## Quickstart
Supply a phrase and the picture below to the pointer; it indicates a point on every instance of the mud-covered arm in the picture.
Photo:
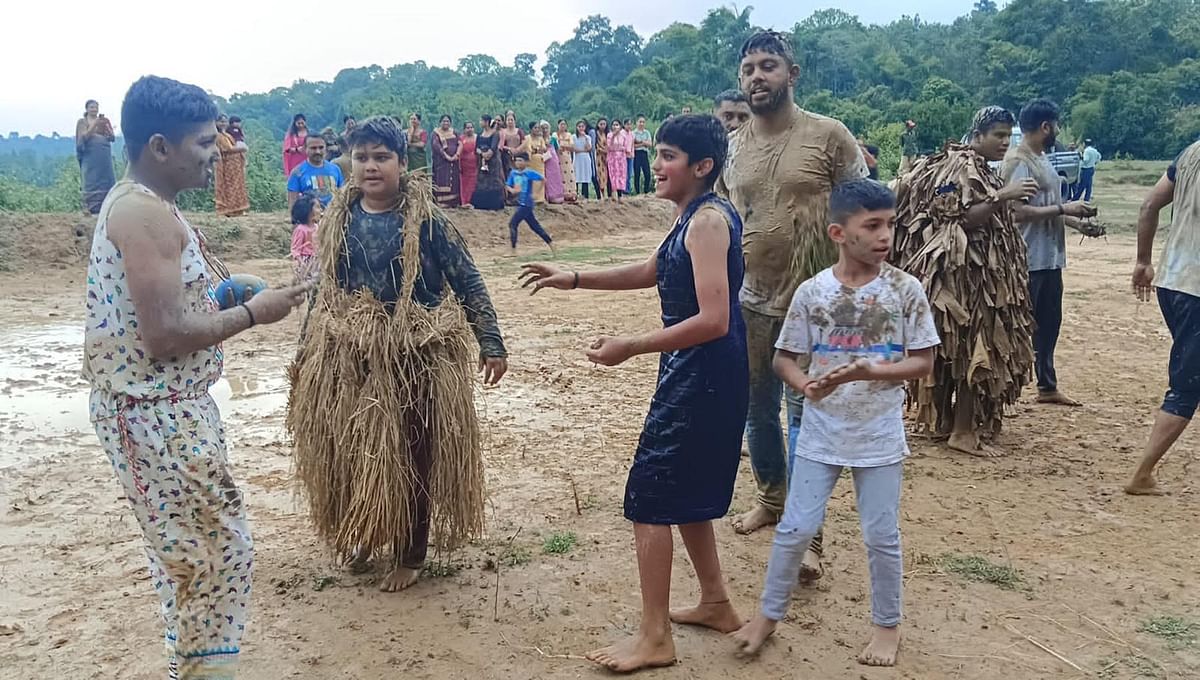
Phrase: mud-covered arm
(450, 252)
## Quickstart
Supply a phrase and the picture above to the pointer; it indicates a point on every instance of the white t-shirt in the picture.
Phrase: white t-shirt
(860, 424)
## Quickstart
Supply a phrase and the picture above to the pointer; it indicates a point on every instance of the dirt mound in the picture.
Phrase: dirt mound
(31, 241)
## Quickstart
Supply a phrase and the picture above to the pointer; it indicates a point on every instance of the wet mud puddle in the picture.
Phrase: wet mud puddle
(44, 399)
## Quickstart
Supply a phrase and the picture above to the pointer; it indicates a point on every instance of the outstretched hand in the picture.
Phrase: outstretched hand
(541, 276)
(274, 304)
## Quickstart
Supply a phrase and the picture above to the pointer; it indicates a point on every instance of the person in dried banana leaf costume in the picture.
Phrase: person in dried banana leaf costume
(381, 408)
(954, 232)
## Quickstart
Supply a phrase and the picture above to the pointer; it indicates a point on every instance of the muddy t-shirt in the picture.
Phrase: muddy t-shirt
(780, 184)
(1179, 266)
(1045, 239)
(861, 423)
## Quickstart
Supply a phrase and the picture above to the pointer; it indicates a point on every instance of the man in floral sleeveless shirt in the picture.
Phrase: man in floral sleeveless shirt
(152, 350)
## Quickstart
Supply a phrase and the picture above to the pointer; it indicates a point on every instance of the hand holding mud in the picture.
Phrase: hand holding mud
(1080, 209)
(274, 304)
(1019, 191)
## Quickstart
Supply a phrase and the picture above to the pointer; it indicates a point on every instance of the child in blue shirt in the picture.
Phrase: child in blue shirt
(520, 184)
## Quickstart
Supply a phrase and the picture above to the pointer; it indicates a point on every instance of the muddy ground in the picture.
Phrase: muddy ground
(1029, 566)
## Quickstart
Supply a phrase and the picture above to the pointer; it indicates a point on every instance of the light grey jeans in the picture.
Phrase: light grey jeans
(877, 493)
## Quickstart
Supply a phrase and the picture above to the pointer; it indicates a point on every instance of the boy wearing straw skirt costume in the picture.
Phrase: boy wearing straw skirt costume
(382, 406)
(955, 233)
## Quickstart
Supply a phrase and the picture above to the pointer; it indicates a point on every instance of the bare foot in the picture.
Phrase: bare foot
(1145, 486)
(969, 443)
(810, 568)
(750, 637)
(882, 649)
(1056, 397)
(636, 652)
(720, 616)
(400, 579)
(750, 522)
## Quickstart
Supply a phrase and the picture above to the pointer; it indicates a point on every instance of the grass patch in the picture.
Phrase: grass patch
(515, 556)
(599, 255)
(1178, 632)
(981, 570)
(560, 543)
(441, 569)
(1138, 667)
(322, 582)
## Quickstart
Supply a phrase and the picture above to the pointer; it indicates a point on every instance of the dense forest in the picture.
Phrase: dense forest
(1126, 72)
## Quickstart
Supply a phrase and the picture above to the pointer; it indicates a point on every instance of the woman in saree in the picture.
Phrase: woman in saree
(537, 146)
(489, 183)
(601, 179)
(229, 188)
(555, 190)
(294, 152)
(566, 160)
(468, 163)
(446, 180)
(511, 139)
(417, 139)
(93, 147)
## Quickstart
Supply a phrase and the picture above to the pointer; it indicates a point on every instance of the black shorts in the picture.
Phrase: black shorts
(1182, 314)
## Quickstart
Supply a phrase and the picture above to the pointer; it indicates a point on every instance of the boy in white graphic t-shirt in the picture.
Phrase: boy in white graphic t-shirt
(853, 335)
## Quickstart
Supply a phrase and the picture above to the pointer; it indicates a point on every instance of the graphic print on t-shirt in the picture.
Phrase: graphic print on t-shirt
(856, 329)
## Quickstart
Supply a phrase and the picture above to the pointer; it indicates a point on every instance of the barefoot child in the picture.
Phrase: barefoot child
(520, 183)
(382, 407)
(854, 333)
(306, 213)
(687, 458)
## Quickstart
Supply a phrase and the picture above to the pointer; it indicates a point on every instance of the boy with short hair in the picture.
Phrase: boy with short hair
(520, 183)
(382, 403)
(314, 176)
(687, 457)
(854, 333)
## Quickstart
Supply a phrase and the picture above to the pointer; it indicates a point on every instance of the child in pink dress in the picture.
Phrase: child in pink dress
(306, 213)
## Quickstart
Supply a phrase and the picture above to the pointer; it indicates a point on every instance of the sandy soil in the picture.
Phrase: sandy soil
(1095, 566)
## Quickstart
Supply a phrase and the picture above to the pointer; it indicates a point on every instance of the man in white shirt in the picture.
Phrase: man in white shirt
(1087, 171)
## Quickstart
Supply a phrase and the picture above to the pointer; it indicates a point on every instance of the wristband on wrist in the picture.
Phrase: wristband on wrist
(248, 313)
(576, 281)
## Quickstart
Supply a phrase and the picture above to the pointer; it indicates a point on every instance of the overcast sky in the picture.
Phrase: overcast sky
(61, 53)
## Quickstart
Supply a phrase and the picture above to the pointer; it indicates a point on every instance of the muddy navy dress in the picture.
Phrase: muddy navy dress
(687, 457)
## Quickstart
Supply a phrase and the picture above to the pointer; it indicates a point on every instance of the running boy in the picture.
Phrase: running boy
(854, 333)
(686, 462)
(520, 184)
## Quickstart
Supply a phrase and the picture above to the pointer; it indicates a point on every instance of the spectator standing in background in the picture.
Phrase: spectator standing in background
(294, 152)
(93, 147)
(908, 146)
(1087, 171)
